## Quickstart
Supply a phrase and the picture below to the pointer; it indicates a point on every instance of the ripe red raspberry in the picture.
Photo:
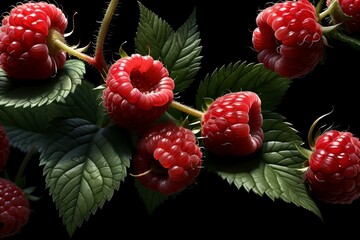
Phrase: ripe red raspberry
(26, 34)
(351, 8)
(288, 38)
(168, 158)
(14, 208)
(232, 124)
(138, 91)
(333, 174)
(4, 148)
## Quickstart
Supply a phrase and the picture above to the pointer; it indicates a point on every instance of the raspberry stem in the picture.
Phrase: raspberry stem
(351, 41)
(99, 49)
(311, 138)
(24, 163)
(63, 46)
(98, 61)
(141, 174)
(189, 110)
(328, 10)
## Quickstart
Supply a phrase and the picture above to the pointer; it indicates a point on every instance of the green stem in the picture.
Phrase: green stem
(311, 138)
(99, 50)
(328, 10)
(351, 41)
(98, 61)
(186, 109)
(24, 163)
(63, 46)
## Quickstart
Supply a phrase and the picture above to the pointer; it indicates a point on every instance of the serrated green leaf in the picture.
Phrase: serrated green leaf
(182, 55)
(24, 126)
(179, 51)
(152, 33)
(83, 165)
(151, 199)
(242, 76)
(275, 170)
(85, 103)
(22, 94)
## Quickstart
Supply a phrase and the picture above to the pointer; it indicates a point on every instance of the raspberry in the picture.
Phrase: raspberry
(25, 41)
(4, 148)
(351, 8)
(14, 208)
(138, 91)
(333, 174)
(170, 157)
(232, 124)
(288, 38)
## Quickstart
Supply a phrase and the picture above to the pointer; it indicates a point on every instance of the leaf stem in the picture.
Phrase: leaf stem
(189, 110)
(24, 163)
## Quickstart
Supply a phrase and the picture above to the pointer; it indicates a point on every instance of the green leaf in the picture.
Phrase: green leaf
(24, 126)
(275, 170)
(152, 33)
(179, 51)
(85, 103)
(83, 165)
(33, 94)
(242, 76)
(181, 56)
(150, 198)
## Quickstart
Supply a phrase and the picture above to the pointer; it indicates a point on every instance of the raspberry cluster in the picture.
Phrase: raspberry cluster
(232, 124)
(14, 208)
(288, 38)
(333, 175)
(170, 158)
(138, 91)
(14, 205)
(26, 41)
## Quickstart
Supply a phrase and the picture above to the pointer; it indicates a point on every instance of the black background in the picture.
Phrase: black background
(212, 208)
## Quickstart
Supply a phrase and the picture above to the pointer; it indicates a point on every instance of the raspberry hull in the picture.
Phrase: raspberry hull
(170, 157)
(138, 91)
(288, 38)
(25, 41)
(232, 124)
(333, 175)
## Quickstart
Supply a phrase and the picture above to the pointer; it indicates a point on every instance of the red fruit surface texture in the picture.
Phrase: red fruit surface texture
(138, 91)
(351, 8)
(26, 52)
(4, 148)
(173, 156)
(288, 38)
(14, 208)
(333, 175)
(232, 124)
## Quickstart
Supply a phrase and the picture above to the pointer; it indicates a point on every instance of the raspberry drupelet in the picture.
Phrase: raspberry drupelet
(168, 158)
(138, 91)
(288, 38)
(26, 35)
(232, 124)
